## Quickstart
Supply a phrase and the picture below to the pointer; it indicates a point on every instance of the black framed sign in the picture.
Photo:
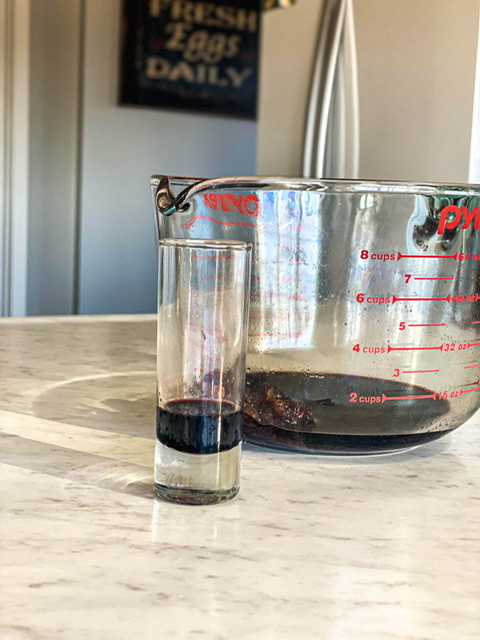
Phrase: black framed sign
(191, 55)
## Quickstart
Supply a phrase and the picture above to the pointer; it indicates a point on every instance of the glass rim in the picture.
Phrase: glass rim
(167, 202)
(208, 244)
(325, 185)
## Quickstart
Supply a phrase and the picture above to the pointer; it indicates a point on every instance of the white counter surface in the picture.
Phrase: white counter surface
(332, 548)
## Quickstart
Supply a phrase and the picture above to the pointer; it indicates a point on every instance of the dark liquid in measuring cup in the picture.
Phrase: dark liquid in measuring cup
(328, 413)
(199, 426)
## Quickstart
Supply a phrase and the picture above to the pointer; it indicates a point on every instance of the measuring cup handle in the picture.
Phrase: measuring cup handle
(165, 201)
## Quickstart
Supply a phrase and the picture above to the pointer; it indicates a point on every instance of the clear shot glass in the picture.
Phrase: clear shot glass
(203, 299)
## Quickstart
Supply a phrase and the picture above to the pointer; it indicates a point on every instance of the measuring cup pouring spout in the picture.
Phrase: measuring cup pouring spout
(364, 325)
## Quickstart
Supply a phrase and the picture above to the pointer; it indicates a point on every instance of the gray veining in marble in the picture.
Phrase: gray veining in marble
(314, 547)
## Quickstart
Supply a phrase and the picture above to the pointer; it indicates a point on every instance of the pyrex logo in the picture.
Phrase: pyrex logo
(452, 216)
(247, 205)
(244, 204)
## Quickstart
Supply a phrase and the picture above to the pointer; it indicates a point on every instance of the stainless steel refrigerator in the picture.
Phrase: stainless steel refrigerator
(380, 89)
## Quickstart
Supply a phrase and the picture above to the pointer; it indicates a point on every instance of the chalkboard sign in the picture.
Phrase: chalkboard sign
(189, 55)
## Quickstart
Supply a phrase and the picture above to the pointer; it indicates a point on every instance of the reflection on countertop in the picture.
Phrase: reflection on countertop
(314, 547)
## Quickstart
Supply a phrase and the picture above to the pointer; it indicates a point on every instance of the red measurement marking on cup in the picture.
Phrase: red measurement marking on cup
(414, 397)
(389, 348)
(440, 278)
(423, 371)
(447, 299)
(446, 346)
(462, 391)
(472, 366)
(404, 255)
(439, 324)
(456, 298)
(475, 322)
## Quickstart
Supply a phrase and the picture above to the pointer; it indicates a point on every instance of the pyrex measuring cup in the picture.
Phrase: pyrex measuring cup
(364, 329)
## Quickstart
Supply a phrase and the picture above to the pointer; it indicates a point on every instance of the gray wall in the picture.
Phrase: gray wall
(122, 147)
(416, 73)
(417, 81)
(289, 41)
(53, 148)
(91, 233)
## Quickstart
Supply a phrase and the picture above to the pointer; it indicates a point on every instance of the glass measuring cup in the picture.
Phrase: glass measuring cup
(364, 330)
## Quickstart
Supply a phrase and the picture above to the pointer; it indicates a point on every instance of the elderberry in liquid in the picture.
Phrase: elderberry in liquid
(338, 421)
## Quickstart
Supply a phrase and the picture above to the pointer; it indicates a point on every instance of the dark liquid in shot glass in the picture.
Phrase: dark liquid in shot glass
(199, 426)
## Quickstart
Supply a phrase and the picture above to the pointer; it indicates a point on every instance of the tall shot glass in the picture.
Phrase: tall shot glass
(203, 299)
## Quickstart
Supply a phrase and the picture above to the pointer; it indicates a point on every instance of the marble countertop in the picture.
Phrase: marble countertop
(313, 547)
